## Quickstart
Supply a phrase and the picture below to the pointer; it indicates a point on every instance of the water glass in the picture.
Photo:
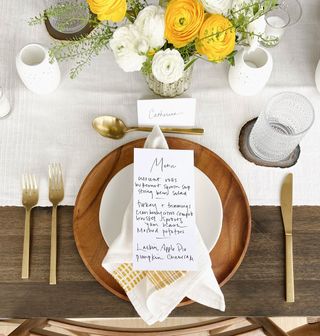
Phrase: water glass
(293, 8)
(287, 14)
(70, 22)
(280, 128)
(276, 22)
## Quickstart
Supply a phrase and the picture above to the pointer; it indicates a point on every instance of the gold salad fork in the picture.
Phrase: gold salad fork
(30, 197)
(56, 194)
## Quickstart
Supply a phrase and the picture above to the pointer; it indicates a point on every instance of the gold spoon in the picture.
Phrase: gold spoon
(115, 128)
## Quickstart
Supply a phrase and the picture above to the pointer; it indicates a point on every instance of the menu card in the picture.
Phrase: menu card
(164, 225)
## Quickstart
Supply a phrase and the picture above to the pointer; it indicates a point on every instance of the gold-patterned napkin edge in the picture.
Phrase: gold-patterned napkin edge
(129, 279)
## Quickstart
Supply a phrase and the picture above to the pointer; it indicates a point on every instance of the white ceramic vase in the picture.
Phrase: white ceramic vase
(317, 76)
(35, 70)
(251, 71)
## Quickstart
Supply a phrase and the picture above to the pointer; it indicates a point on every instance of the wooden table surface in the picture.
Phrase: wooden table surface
(257, 289)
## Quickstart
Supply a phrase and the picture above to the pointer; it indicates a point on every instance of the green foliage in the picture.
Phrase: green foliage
(147, 66)
(134, 8)
(187, 52)
(242, 17)
(65, 13)
(84, 48)
(190, 63)
(230, 57)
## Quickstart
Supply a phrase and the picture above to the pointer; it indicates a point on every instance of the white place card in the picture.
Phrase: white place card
(164, 210)
(167, 112)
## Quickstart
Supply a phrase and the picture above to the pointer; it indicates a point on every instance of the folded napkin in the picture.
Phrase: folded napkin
(154, 294)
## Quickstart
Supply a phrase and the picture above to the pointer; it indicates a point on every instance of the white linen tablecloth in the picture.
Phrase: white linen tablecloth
(57, 127)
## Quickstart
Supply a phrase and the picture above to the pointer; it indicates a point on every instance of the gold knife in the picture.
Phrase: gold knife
(286, 210)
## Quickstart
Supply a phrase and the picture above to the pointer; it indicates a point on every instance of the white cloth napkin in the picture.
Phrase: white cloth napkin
(151, 302)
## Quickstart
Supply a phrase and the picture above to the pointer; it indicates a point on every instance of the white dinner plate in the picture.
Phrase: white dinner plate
(116, 197)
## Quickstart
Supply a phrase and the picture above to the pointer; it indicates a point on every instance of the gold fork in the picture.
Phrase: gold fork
(30, 197)
(56, 194)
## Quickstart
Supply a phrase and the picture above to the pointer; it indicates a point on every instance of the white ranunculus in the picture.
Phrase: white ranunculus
(217, 6)
(167, 66)
(129, 48)
(150, 21)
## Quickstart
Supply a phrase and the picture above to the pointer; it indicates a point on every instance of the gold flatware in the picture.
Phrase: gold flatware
(56, 194)
(286, 210)
(115, 128)
(30, 197)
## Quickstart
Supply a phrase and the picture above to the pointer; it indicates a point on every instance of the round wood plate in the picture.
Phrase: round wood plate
(231, 247)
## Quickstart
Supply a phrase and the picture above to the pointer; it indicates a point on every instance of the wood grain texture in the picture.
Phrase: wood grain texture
(306, 330)
(284, 323)
(24, 328)
(226, 326)
(231, 246)
(257, 289)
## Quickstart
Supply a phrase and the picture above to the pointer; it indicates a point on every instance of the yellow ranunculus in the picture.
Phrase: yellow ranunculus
(183, 20)
(217, 38)
(113, 10)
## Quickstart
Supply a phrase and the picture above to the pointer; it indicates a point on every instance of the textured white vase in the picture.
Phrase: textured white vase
(317, 76)
(251, 71)
(35, 70)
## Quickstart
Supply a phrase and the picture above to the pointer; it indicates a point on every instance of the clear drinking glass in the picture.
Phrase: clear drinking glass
(293, 8)
(70, 21)
(276, 22)
(280, 128)
(287, 14)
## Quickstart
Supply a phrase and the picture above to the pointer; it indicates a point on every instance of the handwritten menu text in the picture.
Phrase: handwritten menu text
(164, 210)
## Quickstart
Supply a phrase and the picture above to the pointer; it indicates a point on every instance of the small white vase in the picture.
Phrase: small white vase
(317, 76)
(35, 70)
(251, 71)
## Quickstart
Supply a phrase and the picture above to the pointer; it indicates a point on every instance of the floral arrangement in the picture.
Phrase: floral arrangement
(164, 39)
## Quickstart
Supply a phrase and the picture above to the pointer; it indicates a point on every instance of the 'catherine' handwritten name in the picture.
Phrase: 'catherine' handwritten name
(163, 210)
(161, 114)
(167, 112)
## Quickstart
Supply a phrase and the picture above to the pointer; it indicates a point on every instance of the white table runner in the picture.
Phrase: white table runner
(57, 127)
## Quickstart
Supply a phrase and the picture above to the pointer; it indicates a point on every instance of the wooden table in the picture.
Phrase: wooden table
(257, 289)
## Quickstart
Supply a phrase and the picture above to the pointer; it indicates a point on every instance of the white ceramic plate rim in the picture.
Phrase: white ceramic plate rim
(114, 185)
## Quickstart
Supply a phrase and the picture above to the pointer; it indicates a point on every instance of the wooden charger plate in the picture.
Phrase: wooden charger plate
(231, 247)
